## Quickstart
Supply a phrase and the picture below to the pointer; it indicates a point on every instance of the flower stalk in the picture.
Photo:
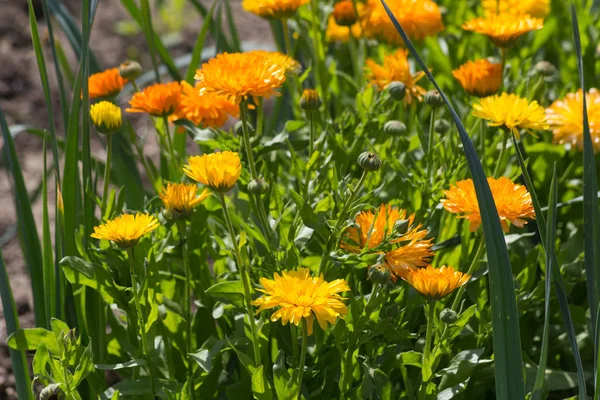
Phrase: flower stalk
(427, 361)
(105, 191)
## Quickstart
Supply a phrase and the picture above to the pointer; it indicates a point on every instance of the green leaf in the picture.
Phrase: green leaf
(32, 338)
(123, 365)
(84, 367)
(199, 45)
(280, 375)
(230, 292)
(260, 385)
(461, 368)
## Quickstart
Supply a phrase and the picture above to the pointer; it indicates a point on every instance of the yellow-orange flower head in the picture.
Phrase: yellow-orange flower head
(479, 78)
(106, 117)
(344, 13)
(219, 171)
(299, 295)
(419, 18)
(504, 29)
(565, 118)
(535, 8)
(513, 202)
(338, 33)
(511, 112)
(210, 110)
(273, 9)
(158, 100)
(396, 68)
(180, 199)
(435, 283)
(126, 229)
(410, 250)
(106, 84)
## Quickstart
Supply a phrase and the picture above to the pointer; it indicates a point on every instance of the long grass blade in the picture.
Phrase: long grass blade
(505, 320)
(47, 249)
(199, 46)
(88, 203)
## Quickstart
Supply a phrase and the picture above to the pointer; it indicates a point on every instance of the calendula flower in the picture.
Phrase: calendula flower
(504, 29)
(419, 19)
(106, 84)
(435, 283)
(513, 202)
(180, 199)
(239, 75)
(273, 9)
(298, 295)
(337, 33)
(126, 229)
(344, 13)
(219, 171)
(534, 8)
(511, 112)
(395, 68)
(284, 61)
(106, 117)
(565, 118)
(479, 78)
(371, 230)
(208, 109)
(158, 100)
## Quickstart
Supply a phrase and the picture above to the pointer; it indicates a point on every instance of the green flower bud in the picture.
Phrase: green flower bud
(573, 270)
(434, 99)
(239, 128)
(310, 100)
(369, 161)
(448, 316)
(441, 126)
(545, 68)
(258, 186)
(394, 127)
(130, 70)
(401, 226)
(379, 273)
(397, 90)
(52, 392)
(106, 117)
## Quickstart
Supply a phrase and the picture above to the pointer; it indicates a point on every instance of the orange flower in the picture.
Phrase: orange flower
(504, 29)
(273, 9)
(337, 33)
(344, 13)
(512, 201)
(480, 78)
(535, 8)
(106, 83)
(158, 100)
(435, 283)
(396, 68)
(208, 109)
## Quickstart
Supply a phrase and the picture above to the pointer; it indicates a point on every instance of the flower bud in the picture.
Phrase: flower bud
(106, 117)
(344, 13)
(130, 70)
(258, 186)
(441, 126)
(434, 99)
(379, 273)
(397, 90)
(448, 316)
(573, 270)
(52, 392)
(394, 127)
(401, 226)
(545, 68)
(310, 100)
(239, 128)
(369, 161)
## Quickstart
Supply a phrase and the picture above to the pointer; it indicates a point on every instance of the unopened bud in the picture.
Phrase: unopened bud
(441, 126)
(52, 392)
(106, 117)
(394, 127)
(545, 69)
(379, 273)
(130, 70)
(448, 316)
(369, 161)
(401, 226)
(258, 186)
(434, 99)
(397, 90)
(310, 100)
(344, 13)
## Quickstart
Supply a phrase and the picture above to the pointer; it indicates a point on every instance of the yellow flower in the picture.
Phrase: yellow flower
(107, 83)
(180, 199)
(511, 112)
(535, 8)
(219, 171)
(126, 229)
(208, 109)
(504, 29)
(513, 202)
(281, 60)
(239, 75)
(337, 33)
(395, 68)
(158, 100)
(435, 283)
(106, 117)
(299, 295)
(273, 9)
(410, 250)
(565, 118)
(344, 13)
(419, 19)
(480, 78)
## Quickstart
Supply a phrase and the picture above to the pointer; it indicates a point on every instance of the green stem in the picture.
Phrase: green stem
(354, 58)
(430, 146)
(105, 192)
(500, 162)
(302, 355)
(472, 267)
(427, 350)
(312, 132)
(318, 52)
(482, 139)
(260, 119)
(173, 162)
(135, 86)
(286, 37)
(246, 137)
(245, 280)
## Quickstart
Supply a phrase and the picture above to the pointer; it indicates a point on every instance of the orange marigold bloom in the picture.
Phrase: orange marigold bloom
(504, 29)
(435, 283)
(337, 33)
(565, 118)
(480, 78)
(208, 109)
(513, 202)
(419, 19)
(180, 199)
(344, 13)
(158, 100)
(396, 68)
(126, 229)
(107, 83)
(535, 8)
(410, 250)
(273, 9)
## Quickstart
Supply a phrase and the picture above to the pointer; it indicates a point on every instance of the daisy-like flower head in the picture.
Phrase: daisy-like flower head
(504, 29)
(410, 250)
(106, 117)
(565, 118)
(126, 229)
(395, 67)
(512, 201)
(479, 78)
(300, 295)
(180, 199)
(435, 283)
(219, 171)
(208, 109)
(273, 9)
(419, 18)
(106, 84)
(158, 100)
(511, 112)
(239, 75)
(535, 8)
(344, 13)
(338, 33)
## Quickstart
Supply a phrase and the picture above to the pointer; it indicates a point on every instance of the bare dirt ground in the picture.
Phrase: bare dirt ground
(22, 101)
